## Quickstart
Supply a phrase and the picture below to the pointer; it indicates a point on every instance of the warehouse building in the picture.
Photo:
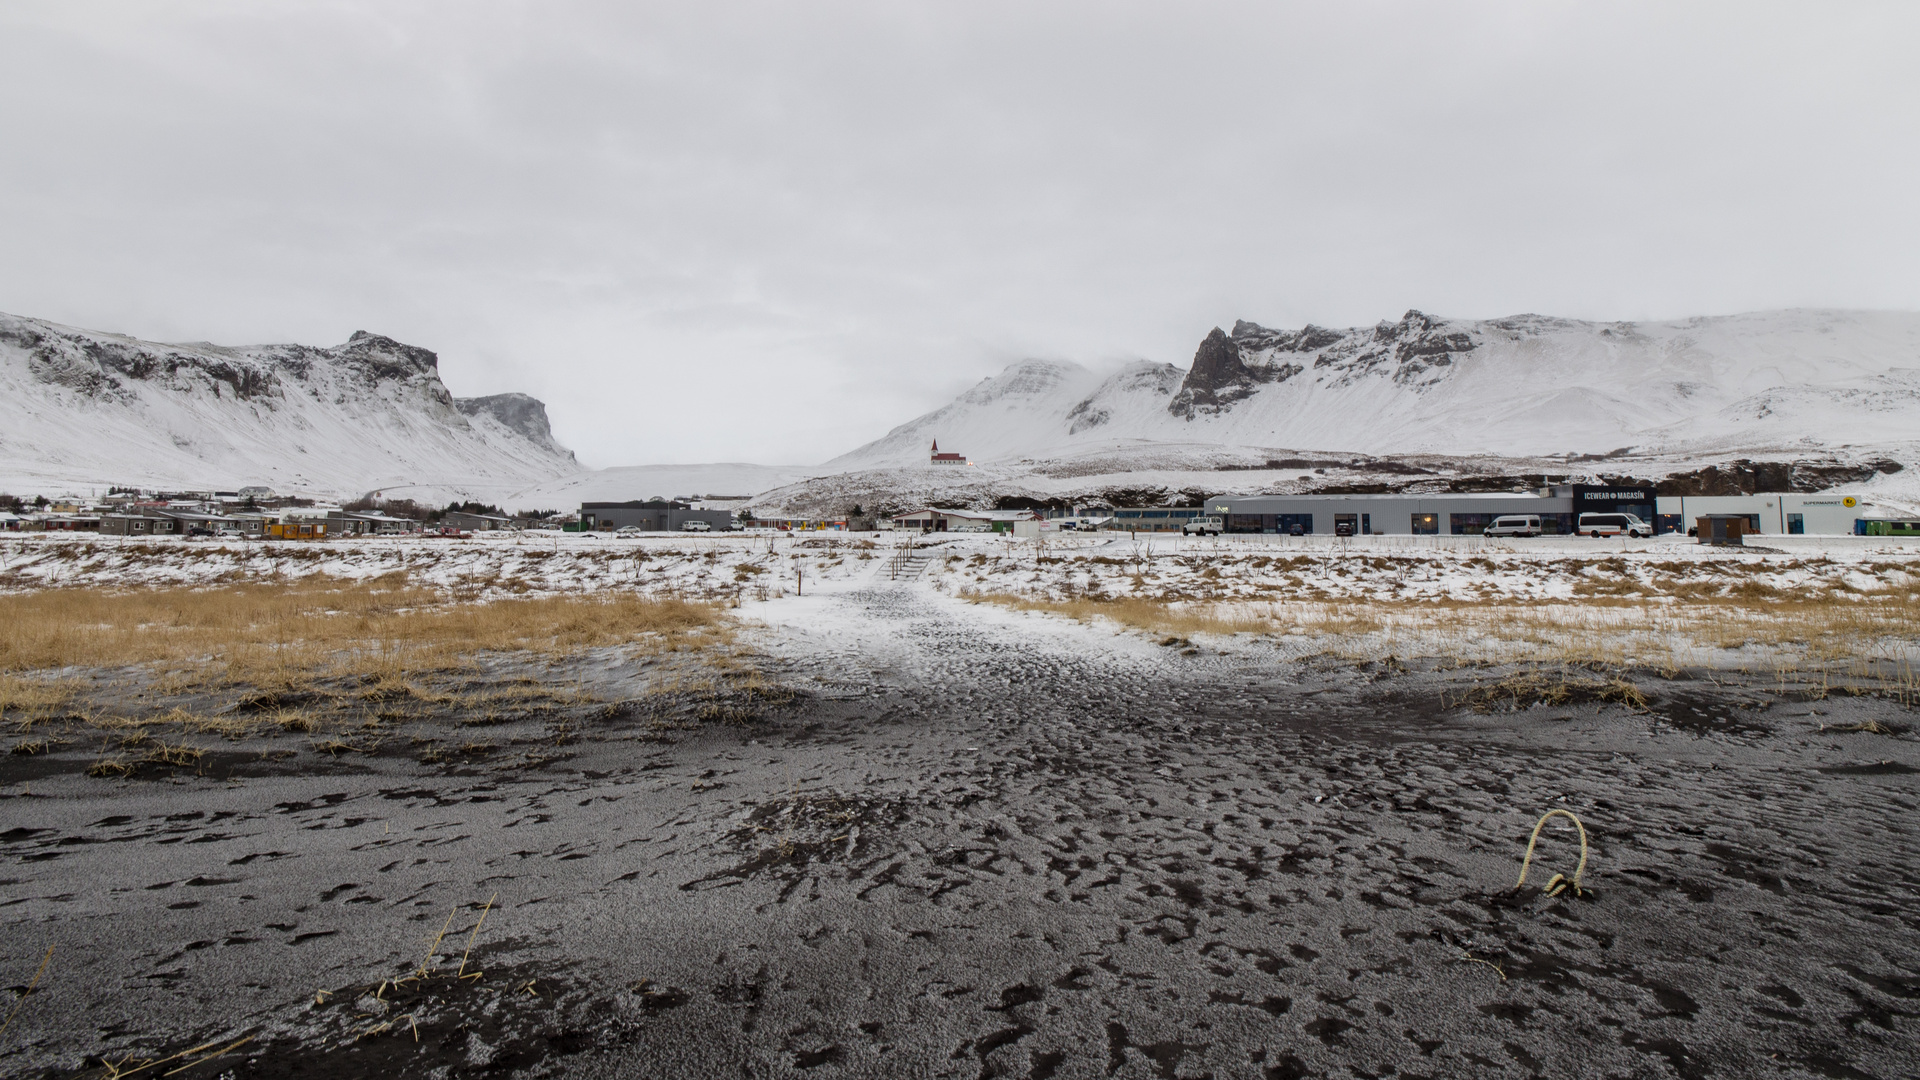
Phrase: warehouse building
(1559, 508)
(654, 515)
(1466, 514)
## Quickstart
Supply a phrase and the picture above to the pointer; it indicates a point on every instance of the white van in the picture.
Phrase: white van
(696, 526)
(1514, 525)
(1598, 525)
(1203, 526)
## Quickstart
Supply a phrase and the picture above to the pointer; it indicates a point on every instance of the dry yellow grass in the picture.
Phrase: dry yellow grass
(283, 635)
(1154, 616)
(1561, 687)
(1871, 637)
(20, 694)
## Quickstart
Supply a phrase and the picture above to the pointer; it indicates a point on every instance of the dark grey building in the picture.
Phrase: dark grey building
(653, 516)
(137, 524)
(460, 519)
(154, 522)
(369, 523)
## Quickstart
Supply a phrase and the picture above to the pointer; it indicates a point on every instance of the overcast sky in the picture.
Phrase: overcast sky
(769, 232)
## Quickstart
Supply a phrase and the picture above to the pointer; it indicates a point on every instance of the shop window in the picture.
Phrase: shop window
(1426, 524)
(1796, 525)
(1286, 522)
(1468, 524)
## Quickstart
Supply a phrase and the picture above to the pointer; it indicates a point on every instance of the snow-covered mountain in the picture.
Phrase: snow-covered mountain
(1525, 386)
(80, 408)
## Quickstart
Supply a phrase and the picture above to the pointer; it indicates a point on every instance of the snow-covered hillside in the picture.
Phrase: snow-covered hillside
(80, 408)
(1526, 386)
(625, 482)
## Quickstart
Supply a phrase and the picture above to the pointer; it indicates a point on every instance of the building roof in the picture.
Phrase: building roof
(972, 515)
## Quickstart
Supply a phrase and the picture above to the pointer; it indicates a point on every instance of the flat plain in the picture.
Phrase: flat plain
(1082, 808)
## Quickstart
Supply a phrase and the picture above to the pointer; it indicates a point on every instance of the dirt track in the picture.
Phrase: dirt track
(988, 844)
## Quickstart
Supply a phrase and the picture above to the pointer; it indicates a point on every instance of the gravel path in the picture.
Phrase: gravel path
(989, 844)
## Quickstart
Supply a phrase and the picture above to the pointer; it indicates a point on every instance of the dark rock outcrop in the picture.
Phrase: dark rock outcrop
(1745, 477)
(1414, 352)
(519, 413)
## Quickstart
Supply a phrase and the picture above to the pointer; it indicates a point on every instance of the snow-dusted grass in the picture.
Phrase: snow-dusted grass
(489, 566)
(275, 634)
(1826, 601)
(318, 654)
(1823, 602)
(277, 631)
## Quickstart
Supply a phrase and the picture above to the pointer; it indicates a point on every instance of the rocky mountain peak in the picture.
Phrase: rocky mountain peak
(393, 359)
(369, 413)
(522, 414)
(1221, 374)
(1415, 352)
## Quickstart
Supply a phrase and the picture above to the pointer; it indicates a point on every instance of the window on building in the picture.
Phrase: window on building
(1468, 524)
(1286, 522)
(1796, 524)
(1426, 524)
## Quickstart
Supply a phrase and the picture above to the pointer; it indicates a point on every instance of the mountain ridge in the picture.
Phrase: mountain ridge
(85, 407)
(1522, 385)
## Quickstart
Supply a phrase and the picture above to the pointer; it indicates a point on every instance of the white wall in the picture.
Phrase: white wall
(1824, 514)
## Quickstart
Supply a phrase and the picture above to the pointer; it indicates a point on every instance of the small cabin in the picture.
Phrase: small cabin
(1723, 529)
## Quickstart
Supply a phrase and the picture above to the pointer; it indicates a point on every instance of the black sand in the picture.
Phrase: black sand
(967, 849)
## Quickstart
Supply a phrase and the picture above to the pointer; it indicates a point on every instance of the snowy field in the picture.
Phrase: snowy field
(1659, 602)
(954, 838)
(1079, 808)
(1158, 566)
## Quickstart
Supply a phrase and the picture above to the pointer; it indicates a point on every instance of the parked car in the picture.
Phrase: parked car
(1514, 525)
(1599, 525)
(696, 526)
(628, 530)
(1203, 526)
(1343, 528)
(450, 533)
(199, 530)
(1297, 529)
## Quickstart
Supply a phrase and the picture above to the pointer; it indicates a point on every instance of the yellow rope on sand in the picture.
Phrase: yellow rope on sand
(475, 934)
(15, 1011)
(435, 947)
(1557, 883)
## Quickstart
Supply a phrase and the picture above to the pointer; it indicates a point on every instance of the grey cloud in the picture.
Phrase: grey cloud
(771, 231)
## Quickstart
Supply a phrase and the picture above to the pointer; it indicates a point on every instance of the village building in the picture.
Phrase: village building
(460, 519)
(368, 523)
(654, 515)
(939, 458)
(942, 519)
